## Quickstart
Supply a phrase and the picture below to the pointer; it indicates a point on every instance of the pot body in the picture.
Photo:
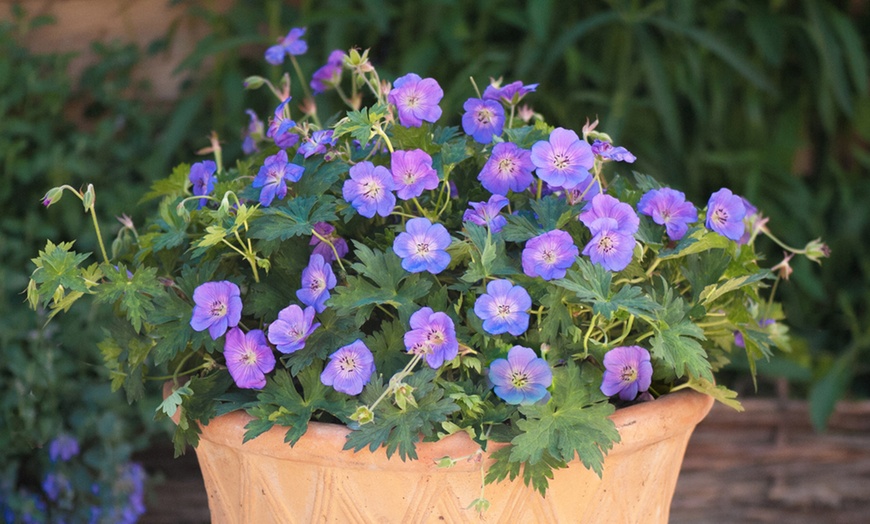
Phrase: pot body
(265, 480)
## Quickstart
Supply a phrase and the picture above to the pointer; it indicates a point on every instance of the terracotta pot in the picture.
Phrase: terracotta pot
(265, 480)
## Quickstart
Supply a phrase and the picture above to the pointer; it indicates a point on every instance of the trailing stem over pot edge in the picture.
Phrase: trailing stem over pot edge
(412, 280)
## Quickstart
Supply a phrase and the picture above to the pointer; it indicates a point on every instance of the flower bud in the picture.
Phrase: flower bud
(53, 195)
(32, 295)
(817, 249)
(89, 198)
(254, 82)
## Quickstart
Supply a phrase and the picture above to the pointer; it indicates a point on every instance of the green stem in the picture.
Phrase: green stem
(99, 235)
(588, 334)
(331, 245)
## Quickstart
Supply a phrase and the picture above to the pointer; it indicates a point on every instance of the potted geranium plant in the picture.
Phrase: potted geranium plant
(479, 298)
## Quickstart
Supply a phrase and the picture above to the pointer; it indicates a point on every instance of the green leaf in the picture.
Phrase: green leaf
(591, 284)
(573, 424)
(715, 291)
(381, 280)
(359, 123)
(398, 430)
(134, 294)
(553, 212)
(172, 187)
(296, 218)
(490, 258)
(679, 347)
(697, 240)
(720, 392)
(281, 403)
(57, 265)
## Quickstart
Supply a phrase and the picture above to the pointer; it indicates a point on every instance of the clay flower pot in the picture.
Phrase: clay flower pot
(265, 480)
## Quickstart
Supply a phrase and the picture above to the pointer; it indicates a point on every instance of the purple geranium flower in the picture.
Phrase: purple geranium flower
(607, 151)
(369, 190)
(412, 173)
(483, 119)
(292, 328)
(252, 133)
(422, 246)
(725, 212)
(202, 176)
(322, 248)
(504, 308)
(564, 160)
(522, 378)
(217, 307)
(273, 176)
(509, 168)
(248, 358)
(487, 214)
(627, 371)
(416, 99)
(549, 255)
(605, 211)
(669, 208)
(287, 45)
(317, 143)
(329, 75)
(610, 247)
(510, 94)
(281, 127)
(349, 368)
(63, 448)
(433, 335)
(317, 280)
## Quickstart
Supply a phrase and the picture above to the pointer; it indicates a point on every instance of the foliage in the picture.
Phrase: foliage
(394, 338)
(56, 128)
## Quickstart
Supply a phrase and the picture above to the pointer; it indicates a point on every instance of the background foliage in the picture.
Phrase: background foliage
(768, 98)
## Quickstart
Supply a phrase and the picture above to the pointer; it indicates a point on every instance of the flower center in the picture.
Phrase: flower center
(484, 117)
(605, 245)
(628, 374)
(249, 358)
(507, 166)
(503, 310)
(347, 364)
(412, 100)
(218, 309)
(435, 337)
(317, 284)
(519, 379)
(372, 189)
(548, 256)
(423, 248)
(410, 177)
(720, 215)
(561, 161)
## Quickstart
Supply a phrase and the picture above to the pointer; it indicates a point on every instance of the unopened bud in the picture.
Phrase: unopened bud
(53, 195)
(254, 82)
(816, 249)
(32, 295)
(589, 127)
(89, 198)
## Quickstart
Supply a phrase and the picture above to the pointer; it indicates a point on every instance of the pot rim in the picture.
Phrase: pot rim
(639, 425)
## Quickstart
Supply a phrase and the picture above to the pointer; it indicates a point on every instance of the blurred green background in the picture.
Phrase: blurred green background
(770, 99)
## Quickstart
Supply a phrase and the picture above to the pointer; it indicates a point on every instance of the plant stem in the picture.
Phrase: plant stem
(99, 235)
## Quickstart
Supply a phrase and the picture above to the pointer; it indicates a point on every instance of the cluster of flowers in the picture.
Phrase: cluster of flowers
(563, 163)
(124, 504)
